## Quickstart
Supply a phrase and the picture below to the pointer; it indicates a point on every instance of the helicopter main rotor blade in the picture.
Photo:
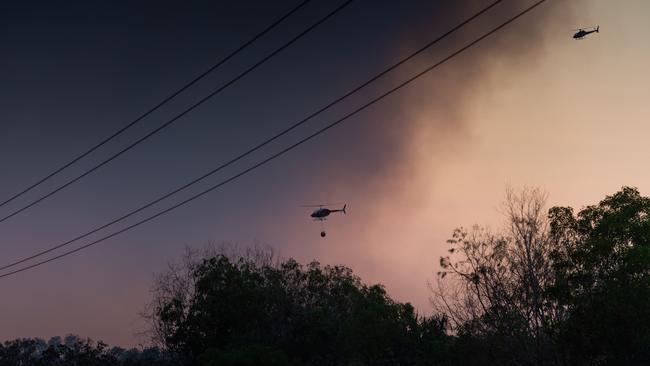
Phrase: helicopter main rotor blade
(585, 28)
(324, 204)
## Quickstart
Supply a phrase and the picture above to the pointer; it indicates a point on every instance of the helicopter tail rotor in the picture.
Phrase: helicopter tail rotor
(597, 28)
(344, 206)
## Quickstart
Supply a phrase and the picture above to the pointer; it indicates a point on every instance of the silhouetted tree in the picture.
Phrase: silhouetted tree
(75, 351)
(245, 312)
(603, 280)
(573, 292)
(492, 286)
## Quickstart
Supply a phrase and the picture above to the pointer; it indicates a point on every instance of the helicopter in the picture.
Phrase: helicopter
(583, 32)
(321, 214)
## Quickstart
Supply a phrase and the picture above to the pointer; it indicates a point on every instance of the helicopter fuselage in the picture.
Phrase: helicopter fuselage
(322, 213)
(580, 34)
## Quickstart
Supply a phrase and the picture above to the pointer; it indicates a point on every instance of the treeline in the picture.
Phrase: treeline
(73, 350)
(553, 287)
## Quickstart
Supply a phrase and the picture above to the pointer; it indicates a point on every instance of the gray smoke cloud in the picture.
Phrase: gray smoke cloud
(409, 136)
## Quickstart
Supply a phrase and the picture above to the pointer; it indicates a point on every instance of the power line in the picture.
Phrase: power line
(157, 106)
(186, 111)
(264, 143)
(287, 149)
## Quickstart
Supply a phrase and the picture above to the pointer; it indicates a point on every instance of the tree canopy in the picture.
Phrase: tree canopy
(564, 288)
(242, 312)
(75, 351)
(602, 264)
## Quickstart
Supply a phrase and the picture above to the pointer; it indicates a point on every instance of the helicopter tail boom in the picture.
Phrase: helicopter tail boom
(341, 210)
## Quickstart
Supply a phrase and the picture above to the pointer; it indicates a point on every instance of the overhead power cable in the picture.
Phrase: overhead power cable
(157, 106)
(285, 150)
(178, 116)
(261, 145)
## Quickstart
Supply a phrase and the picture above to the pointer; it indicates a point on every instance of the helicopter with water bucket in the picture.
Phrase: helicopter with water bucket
(322, 212)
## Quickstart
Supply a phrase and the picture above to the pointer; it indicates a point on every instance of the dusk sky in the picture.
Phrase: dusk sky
(528, 106)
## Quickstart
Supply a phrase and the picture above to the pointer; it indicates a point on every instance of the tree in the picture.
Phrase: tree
(602, 264)
(493, 285)
(244, 310)
(75, 351)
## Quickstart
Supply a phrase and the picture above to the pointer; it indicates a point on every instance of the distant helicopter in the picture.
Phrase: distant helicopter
(321, 215)
(583, 32)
